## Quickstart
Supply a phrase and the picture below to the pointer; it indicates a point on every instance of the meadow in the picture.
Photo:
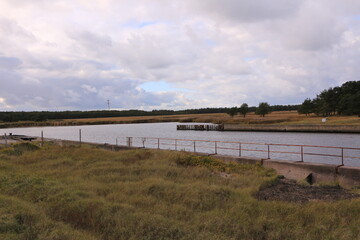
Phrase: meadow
(84, 192)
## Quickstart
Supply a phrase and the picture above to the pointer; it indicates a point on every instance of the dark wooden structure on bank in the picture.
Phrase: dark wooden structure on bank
(203, 127)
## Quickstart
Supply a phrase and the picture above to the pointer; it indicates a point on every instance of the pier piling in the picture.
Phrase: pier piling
(203, 127)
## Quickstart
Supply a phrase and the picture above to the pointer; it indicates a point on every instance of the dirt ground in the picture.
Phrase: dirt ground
(290, 191)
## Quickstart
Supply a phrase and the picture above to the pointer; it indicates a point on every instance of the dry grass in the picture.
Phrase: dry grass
(280, 117)
(88, 193)
(164, 118)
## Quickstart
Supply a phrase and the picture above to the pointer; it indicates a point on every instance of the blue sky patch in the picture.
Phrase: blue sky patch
(210, 43)
(137, 25)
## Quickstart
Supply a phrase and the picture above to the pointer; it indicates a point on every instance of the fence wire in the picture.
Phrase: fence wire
(292, 152)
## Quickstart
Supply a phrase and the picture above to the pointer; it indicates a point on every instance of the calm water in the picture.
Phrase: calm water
(118, 132)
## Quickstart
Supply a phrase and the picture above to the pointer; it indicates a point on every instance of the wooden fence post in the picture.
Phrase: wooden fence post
(5, 137)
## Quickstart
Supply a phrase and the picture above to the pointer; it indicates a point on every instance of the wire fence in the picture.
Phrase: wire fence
(303, 153)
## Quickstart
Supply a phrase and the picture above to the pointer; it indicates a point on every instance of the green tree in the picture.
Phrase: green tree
(338, 100)
(328, 101)
(306, 107)
(350, 104)
(244, 109)
(232, 111)
(263, 109)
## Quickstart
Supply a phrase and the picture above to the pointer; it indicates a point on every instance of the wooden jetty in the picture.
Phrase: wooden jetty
(203, 127)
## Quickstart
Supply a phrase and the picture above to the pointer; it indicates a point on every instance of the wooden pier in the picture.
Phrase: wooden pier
(203, 127)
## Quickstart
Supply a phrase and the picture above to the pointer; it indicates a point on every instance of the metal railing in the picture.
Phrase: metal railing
(348, 156)
(292, 152)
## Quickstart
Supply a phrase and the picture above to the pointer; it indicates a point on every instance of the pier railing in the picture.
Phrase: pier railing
(292, 152)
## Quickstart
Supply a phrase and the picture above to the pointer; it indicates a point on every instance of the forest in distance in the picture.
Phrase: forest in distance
(342, 100)
(53, 115)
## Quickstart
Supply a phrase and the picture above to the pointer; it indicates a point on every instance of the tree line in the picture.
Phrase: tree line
(343, 100)
(263, 109)
(56, 115)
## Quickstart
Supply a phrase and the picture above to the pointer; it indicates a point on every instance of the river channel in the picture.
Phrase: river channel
(228, 142)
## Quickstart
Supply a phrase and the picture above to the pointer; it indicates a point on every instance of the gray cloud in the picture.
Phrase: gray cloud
(75, 93)
(314, 28)
(77, 55)
(10, 27)
(91, 42)
(249, 11)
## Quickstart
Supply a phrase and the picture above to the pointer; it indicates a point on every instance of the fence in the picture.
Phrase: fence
(346, 156)
(303, 153)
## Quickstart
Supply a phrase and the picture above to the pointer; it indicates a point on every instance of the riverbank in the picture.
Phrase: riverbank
(84, 192)
(293, 128)
(117, 120)
(274, 118)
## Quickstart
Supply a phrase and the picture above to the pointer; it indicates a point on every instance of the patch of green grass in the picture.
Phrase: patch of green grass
(19, 148)
(88, 193)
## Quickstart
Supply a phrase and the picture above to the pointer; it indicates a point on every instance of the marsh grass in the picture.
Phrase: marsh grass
(88, 193)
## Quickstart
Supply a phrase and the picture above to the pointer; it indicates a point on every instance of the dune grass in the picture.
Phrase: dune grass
(88, 193)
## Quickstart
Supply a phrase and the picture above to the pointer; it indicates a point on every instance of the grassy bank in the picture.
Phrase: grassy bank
(88, 193)
(278, 118)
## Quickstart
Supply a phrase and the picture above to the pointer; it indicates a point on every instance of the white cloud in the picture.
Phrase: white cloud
(78, 54)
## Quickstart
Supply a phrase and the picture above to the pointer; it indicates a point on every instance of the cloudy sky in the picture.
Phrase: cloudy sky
(173, 54)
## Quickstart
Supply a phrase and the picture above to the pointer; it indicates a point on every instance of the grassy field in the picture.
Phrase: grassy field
(60, 193)
(281, 117)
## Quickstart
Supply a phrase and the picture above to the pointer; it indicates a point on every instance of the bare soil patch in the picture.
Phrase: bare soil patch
(290, 191)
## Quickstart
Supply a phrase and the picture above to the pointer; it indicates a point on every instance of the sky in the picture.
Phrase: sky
(173, 54)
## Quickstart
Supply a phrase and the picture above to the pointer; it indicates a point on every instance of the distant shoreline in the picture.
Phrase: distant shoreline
(276, 121)
(70, 123)
(313, 128)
